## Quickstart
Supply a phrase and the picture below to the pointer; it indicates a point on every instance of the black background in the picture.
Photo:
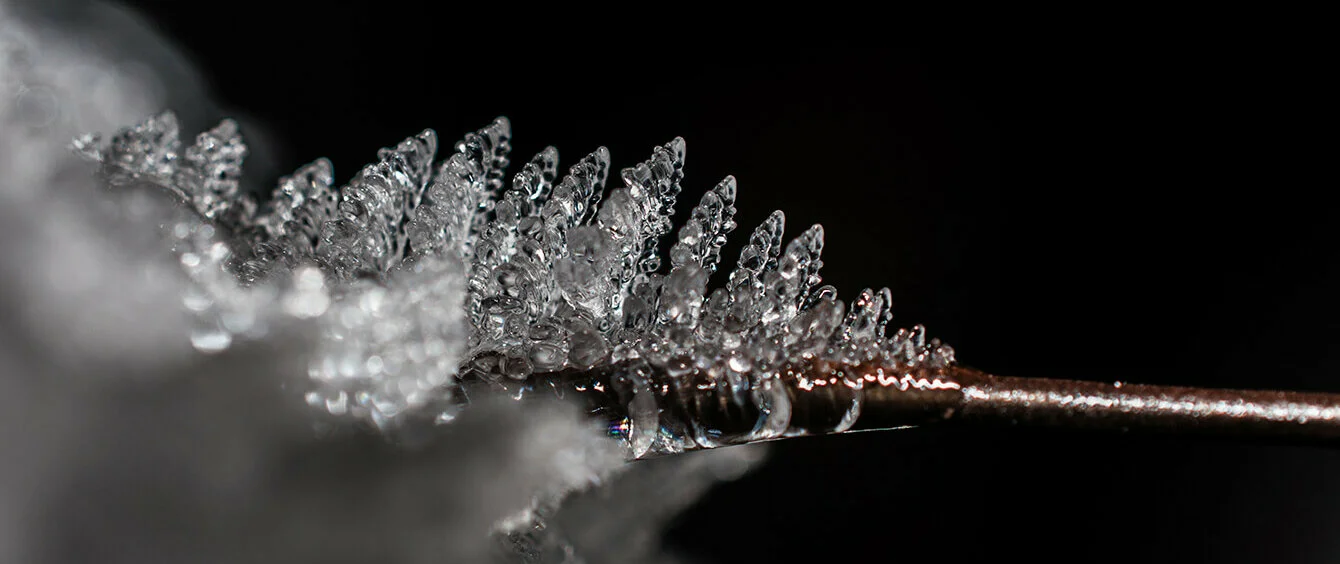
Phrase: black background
(1138, 204)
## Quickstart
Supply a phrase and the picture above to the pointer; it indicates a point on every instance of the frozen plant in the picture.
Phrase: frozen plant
(155, 405)
(433, 280)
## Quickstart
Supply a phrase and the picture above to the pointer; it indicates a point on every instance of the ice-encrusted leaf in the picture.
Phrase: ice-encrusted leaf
(367, 237)
(864, 325)
(758, 257)
(652, 188)
(570, 203)
(204, 175)
(288, 229)
(301, 203)
(583, 187)
(537, 178)
(452, 206)
(786, 287)
(490, 148)
(429, 275)
(210, 169)
(506, 290)
(150, 148)
(701, 237)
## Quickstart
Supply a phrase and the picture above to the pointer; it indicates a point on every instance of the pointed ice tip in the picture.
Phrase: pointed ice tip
(164, 122)
(775, 224)
(502, 124)
(168, 117)
(676, 145)
(225, 129)
(726, 189)
(815, 234)
(600, 158)
(323, 165)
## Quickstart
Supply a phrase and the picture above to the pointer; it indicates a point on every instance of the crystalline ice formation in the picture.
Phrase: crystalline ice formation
(429, 277)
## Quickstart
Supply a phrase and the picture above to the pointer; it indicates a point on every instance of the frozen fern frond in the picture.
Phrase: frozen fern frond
(433, 280)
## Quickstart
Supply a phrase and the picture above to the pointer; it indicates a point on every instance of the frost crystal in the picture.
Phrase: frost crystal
(431, 279)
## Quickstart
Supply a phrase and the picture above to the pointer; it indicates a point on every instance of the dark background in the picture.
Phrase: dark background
(1137, 204)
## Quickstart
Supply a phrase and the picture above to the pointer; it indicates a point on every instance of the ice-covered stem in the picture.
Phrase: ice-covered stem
(641, 403)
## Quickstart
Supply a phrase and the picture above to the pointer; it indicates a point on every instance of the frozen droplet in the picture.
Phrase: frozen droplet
(645, 421)
(546, 357)
(587, 348)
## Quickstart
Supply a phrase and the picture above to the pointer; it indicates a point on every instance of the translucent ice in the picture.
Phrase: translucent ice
(433, 282)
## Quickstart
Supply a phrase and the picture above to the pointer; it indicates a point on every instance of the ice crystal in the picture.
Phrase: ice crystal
(429, 276)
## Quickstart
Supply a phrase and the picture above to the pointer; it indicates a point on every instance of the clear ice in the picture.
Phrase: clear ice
(434, 281)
